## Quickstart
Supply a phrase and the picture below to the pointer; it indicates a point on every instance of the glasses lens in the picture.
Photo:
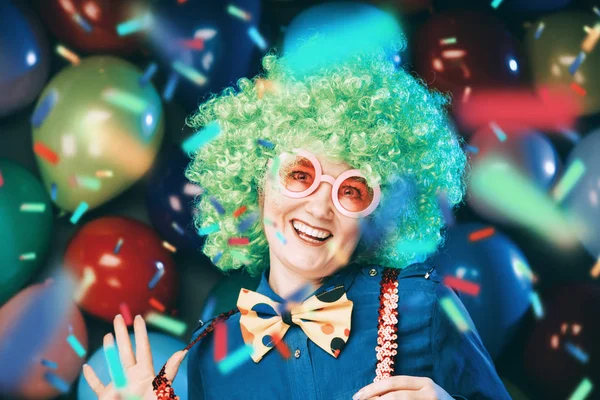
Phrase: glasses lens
(296, 173)
(354, 194)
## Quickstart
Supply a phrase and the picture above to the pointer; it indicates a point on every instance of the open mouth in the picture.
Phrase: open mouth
(308, 238)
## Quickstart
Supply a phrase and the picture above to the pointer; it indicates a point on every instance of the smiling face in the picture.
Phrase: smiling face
(303, 255)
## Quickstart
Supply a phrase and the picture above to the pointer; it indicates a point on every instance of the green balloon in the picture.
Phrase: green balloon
(97, 128)
(563, 56)
(26, 222)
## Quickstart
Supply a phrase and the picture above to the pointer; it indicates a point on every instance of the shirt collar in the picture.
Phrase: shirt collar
(345, 276)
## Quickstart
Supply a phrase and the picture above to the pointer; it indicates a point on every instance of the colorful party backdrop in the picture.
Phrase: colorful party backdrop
(96, 213)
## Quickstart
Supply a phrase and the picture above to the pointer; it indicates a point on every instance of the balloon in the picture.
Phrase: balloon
(500, 270)
(363, 25)
(24, 63)
(170, 198)
(199, 39)
(581, 202)
(556, 55)
(223, 296)
(91, 26)
(36, 329)
(119, 261)
(463, 51)
(563, 348)
(96, 130)
(163, 347)
(26, 224)
(530, 152)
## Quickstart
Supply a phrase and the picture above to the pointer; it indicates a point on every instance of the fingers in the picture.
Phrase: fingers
(143, 353)
(123, 342)
(393, 383)
(173, 364)
(92, 379)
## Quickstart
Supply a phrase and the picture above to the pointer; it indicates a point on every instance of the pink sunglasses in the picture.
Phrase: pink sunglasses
(300, 174)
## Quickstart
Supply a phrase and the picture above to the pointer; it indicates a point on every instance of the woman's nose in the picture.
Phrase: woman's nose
(320, 204)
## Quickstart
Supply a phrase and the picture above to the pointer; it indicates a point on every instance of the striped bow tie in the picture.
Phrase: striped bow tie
(324, 318)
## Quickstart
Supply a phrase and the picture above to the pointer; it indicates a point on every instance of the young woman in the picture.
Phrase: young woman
(339, 169)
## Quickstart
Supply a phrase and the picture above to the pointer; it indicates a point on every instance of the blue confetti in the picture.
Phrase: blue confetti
(53, 191)
(76, 346)
(81, 209)
(281, 237)
(148, 74)
(257, 38)
(575, 66)
(170, 86)
(537, 304)
(82, 22)
(265, 143)
(248, 221)
(49, 364)
(577, 352)
(209, 308)
(160, 271)
(216, 258)
(217, 205)
(56, 382)
(44, 108)
(118, 246)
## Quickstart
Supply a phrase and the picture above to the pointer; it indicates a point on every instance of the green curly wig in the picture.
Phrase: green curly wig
(363, 111)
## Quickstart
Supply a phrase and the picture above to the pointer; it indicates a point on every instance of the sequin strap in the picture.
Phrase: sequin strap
(387, 336)
(161, 385)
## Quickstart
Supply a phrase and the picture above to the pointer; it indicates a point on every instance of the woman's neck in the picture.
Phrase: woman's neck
(285, 282)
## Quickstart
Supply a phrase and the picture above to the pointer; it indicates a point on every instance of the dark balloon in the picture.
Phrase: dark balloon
(24, 63)
(92, 25)
(463, 52)
(214, 47)
(564, 348)
(116, 261)
(498, 267)
(223, 296)
(170, 198)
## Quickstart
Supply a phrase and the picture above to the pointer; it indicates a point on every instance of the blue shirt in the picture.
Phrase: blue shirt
(429, 345)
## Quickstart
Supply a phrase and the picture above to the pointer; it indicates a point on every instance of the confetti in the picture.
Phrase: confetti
(589, 43)
(577, 352)
(496, 3)
(578, 89)
(539, 30)
(177, 228)
(166, 323)
(169, 247)
(148, 74)
(217, 205)
(49, 364)
(192, 44)
(44, 108)
(114, 366)
(453, 54)
(582, 391)
(248, 221)
(33, 207)
(578, 61)
(481, 234)
(68, 54)
(118, 246)
(53, 191)
(238, 241)
(1, 179)
(209, 308)
(235, 359)
(82, 22)
(240, 257)
(56, 382)
(81, 209)
(89, 277)
(462, 285)
(498, 131)
(201, 137)
(134, 25)
(160, 271)
(265, 143)
(207, 230)
(536, 304)
(237, 12)
(257, 38)
(220, 341)
(466, 94)
(595, 272)
(454, 314)
(156, 304)
(239, 211)
(280, 237)
(596, 11)
(568, 181)
(450, 40)
(27, 256)
(45, 153)
(125, 100)
(104, 174)
(126, 313)
(89, 183)
(442, 200)
(280, 345)
(189, 72)
(76, 346)
(170, 86)
(216, 258)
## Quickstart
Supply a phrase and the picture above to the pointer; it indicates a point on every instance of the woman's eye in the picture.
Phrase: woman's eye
(352, 191)
(299, 175)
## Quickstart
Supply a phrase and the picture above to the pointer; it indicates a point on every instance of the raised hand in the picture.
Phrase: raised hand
(138, 368)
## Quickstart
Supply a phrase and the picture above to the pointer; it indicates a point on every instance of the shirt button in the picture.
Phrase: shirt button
(373, 272)
(297, 353)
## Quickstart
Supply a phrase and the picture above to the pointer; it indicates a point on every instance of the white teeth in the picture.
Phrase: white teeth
(310, 231)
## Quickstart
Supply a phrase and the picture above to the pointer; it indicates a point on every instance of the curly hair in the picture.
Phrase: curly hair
(364, 111)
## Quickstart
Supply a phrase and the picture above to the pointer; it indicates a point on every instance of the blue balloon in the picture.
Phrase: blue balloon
(343, 28)
(221, 38)
(24, 57)
(583, 201)
(500, 269)
(170, 199)
(163, 347)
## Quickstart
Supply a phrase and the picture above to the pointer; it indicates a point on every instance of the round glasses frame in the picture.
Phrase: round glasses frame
(334, 182)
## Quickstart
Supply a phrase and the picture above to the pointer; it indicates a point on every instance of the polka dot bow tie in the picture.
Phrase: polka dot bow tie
(324, 318)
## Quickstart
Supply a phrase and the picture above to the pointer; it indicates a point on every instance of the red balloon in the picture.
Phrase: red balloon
(18, 321)
(118, 261)
(464, 51)
(91, 25)
(563, 349)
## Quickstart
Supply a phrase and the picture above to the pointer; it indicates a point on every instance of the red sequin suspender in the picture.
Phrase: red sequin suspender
(387, 336)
